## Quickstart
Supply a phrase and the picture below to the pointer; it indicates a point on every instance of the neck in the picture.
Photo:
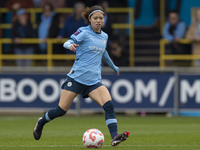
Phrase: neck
(96, 30)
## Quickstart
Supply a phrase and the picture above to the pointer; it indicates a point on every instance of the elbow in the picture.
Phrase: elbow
(67, 44)
(64, 45)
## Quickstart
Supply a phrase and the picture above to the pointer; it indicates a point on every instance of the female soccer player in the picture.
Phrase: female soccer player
(89, 43)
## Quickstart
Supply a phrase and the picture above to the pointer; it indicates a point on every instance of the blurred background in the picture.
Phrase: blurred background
(156, 44)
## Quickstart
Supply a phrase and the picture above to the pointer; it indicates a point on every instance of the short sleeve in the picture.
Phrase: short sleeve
(78, 36)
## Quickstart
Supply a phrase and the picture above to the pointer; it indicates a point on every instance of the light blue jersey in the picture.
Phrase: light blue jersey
(92, 47)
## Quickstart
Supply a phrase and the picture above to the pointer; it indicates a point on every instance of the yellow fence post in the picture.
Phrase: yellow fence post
(49, 53)
(162, 53)
(131, 37)
(0, 54)
(32, 16)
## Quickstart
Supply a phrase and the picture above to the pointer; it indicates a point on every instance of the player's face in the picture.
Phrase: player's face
(97, 20)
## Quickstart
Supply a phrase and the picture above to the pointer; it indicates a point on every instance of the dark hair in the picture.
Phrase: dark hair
(48, 4)
(174, 12)
(87, 11)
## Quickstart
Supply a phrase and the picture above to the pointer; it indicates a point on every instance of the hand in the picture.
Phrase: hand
(116, 70)
(17, 40)
(73, 47)
(177, 39)
(43, 40)
(118, 73)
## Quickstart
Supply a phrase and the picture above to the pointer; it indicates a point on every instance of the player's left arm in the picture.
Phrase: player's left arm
(108, 60)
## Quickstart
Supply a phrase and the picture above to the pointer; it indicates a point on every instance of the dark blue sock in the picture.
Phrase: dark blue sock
(51, 114)
(110, 118)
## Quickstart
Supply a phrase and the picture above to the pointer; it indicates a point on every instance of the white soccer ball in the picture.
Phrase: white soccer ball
(93, 138)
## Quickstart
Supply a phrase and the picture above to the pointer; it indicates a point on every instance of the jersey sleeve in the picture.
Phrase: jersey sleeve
(107, 59)
(68, 43)
(78, 36)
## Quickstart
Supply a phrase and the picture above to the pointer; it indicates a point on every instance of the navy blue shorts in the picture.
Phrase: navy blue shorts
(76, 87)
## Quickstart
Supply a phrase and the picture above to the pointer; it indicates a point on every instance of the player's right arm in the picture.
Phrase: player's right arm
(70, 45)
(75, 38)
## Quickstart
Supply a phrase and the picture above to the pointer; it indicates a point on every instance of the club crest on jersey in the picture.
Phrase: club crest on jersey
(104, 41)
(77, 32)
(69, 84)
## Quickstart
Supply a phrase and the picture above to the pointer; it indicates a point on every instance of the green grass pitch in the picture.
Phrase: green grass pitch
(65, 133)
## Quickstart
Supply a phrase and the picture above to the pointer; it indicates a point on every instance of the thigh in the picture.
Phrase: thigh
(66, 99)
(100, 95)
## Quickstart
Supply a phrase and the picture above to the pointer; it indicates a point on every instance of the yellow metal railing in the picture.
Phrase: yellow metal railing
(164, 56)
(49, 56)
(163, 42)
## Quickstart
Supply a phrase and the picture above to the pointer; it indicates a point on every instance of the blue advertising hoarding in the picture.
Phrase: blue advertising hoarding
(189, 91)
(129, 90)
(30, 90)
(140, 90)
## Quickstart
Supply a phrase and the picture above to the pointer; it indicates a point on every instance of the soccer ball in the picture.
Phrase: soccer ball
(93, 138)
